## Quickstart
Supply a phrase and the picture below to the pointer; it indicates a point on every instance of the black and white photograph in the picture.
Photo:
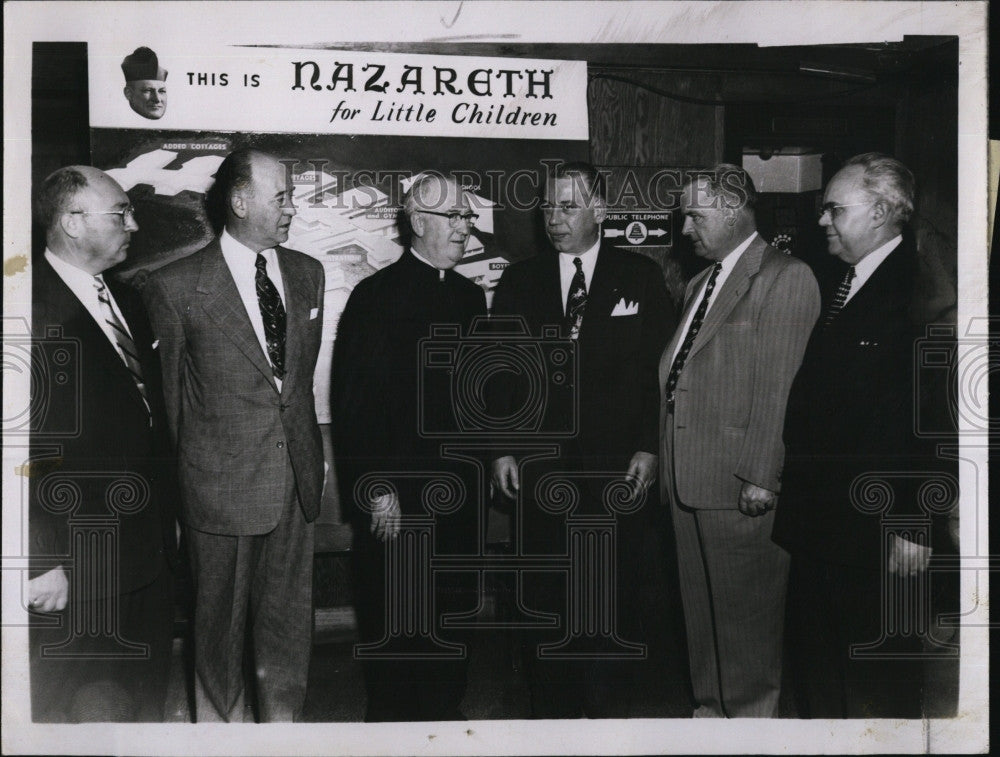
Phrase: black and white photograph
(478, 377)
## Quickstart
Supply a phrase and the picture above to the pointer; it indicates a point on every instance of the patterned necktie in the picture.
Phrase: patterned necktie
(682, 353)
(123, 339)
(839, 297)
(576, 300)
(273, 314)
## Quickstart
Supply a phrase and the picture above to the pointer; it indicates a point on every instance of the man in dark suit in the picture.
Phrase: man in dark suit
(238, 325)
(725, 378)
(103, 431)
(613, 306)
(850, 433)
(378, 406)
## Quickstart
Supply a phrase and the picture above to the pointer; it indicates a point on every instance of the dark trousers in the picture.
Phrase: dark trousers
(593, 675)
(411, 669)
(264, 581)
(98, 683)
(831, 608)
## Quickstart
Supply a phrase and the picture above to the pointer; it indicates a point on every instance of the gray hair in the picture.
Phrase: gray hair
(57, 193)
(889, 180)
(417, 195)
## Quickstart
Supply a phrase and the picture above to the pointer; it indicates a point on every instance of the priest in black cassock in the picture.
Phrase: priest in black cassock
(379, 403)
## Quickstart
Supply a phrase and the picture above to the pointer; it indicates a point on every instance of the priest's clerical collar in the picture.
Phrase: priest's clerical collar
(424, 260)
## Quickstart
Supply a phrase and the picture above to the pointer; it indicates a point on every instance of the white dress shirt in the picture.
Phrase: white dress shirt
(728, 264)
(865, 267)
(567, 269)
(84, 286)
(242, 262)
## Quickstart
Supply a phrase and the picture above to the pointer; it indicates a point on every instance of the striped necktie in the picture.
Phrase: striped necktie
(692, 332)
(576, 300)
(839, 297)
(126, 347)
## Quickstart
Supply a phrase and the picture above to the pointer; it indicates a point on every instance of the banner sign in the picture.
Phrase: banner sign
(353, 130)
(310, 91)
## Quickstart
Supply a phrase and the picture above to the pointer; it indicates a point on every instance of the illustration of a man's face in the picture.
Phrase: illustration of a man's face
(145, 83)
(147, 97)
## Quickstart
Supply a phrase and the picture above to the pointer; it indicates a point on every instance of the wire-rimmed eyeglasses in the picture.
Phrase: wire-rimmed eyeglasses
(833, 207)
(125, 214)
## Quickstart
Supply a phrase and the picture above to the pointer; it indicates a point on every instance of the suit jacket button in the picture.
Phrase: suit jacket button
(279, 445)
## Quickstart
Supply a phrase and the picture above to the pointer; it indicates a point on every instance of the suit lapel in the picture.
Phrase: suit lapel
(603, 288)
(223, 304)
(735, 287)
(550, 296)
(297, 297)
(63, 308)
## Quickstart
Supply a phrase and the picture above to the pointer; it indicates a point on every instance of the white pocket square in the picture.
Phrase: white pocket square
(313, 313)
(625, 308)
(156, 344)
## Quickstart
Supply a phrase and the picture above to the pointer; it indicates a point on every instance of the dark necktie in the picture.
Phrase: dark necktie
(122, 338)
(839, 297)
(576, 300)
(682, 353)
(273, 314)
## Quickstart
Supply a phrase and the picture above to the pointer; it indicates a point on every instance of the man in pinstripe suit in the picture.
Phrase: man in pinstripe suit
(724, 382)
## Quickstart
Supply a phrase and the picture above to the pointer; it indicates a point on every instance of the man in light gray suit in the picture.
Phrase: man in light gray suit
(238, 325)
(724, 381)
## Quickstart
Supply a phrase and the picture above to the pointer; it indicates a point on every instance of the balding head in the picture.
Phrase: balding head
(87, 217)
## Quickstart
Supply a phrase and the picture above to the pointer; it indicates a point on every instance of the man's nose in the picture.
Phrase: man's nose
(688, 228)
(131, 225)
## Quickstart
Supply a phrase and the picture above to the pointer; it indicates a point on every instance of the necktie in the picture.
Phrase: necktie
(122, 338)
(839, 297)
(576, 300)
(273, 314)
(682, 353)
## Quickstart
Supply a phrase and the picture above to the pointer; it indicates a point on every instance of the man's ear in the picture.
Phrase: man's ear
(127, 91)
(417, 224)
(600, 209)
(71, 225)
(730, 214)
(880, 213)
(238, 205)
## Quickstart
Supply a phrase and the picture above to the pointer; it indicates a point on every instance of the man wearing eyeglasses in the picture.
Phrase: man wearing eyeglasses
(379, 406)
(850, 437)
(102, 434)
(614, 308)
